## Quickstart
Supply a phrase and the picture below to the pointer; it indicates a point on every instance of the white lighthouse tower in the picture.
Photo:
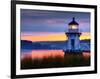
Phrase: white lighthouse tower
(73, 34)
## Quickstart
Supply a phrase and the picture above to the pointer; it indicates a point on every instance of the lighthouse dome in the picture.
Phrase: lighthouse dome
(73, 22)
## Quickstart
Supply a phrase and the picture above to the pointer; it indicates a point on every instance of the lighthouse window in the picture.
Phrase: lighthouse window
(73, 27)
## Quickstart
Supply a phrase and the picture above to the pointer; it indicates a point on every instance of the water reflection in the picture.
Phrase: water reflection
(40, 54)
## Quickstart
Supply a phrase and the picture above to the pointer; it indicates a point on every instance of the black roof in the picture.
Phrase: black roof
(73, 22)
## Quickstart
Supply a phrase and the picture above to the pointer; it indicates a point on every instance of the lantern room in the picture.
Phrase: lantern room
(73, 26)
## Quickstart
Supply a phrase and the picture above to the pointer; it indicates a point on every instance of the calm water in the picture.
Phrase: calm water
(34, 54)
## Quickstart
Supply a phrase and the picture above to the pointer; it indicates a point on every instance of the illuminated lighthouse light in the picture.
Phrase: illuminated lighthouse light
(73, 27)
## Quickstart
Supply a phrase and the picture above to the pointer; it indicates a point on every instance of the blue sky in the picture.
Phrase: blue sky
(52, 21)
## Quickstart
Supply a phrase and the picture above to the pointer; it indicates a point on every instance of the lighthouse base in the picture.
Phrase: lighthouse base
(73, 52)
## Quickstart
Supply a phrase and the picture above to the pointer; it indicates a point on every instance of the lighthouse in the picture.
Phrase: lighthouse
(73, 34)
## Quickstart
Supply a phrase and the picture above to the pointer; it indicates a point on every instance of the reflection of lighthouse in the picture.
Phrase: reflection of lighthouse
(73, 44)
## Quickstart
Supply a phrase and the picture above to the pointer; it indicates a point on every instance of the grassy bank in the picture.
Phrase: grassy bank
(69, 60)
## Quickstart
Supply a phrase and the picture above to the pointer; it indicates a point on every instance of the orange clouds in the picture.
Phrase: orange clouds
(85, 35)
(53, 37)
(49, 37)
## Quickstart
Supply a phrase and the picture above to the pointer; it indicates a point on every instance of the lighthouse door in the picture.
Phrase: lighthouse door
(72, 44)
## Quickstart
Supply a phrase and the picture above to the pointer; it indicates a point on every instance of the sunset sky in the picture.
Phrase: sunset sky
(39, 25)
